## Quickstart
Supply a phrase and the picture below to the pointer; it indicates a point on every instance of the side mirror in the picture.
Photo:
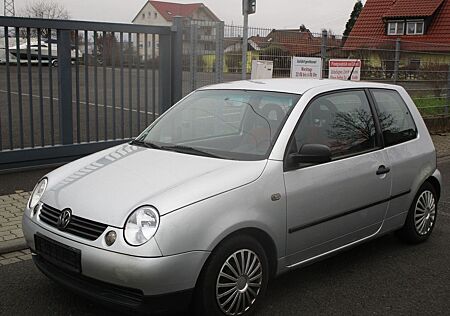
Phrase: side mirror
(312, 153)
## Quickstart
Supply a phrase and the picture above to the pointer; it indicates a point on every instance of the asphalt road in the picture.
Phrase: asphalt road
(381, 277)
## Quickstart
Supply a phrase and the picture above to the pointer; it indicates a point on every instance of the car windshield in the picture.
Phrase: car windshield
(228, 124)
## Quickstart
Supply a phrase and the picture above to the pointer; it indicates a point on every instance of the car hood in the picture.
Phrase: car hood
(108, 185)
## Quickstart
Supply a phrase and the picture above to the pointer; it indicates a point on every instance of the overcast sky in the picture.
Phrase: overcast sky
(315, 14)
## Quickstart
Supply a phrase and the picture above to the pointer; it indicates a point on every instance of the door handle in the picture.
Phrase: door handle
(383, 170)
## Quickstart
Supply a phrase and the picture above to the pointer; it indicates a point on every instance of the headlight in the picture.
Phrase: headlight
(37, 193)
(141, 225)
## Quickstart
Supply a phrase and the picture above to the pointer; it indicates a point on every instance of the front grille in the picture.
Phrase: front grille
(78, 226)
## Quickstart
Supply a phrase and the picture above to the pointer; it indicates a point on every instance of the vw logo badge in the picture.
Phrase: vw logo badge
(64, 219)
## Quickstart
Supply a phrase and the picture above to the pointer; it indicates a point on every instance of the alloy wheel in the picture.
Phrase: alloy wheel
(239, 282)
(425, 213)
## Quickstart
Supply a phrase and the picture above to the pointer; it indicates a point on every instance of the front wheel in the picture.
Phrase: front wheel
(422, 215)
(234, 279)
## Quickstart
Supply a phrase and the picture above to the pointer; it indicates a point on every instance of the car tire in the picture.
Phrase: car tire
(220, 288)
(421, 217)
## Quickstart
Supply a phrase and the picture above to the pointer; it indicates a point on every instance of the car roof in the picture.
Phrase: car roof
(297, 86)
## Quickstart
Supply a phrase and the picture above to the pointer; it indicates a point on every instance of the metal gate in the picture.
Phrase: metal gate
(70, 88)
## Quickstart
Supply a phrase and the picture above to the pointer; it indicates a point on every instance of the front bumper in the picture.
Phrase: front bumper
(107, 294)
(151, 276)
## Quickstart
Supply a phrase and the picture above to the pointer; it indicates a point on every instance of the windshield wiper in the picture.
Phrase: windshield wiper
(144, 144)
(190, 150)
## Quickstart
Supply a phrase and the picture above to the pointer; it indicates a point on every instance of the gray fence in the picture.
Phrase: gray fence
(68, 88)
(422, 68)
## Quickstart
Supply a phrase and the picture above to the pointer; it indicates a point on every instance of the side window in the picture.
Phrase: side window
(343, 121)
(396, 121)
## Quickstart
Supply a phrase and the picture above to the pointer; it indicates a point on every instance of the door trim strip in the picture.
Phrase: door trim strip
(330, 218)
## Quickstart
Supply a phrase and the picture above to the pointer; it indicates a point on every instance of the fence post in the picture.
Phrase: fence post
(165, 73)
(397, 59)
(323, 53)
(193, 61)
(220, 32)
(65, 87)
(177, 59)
(448, 91)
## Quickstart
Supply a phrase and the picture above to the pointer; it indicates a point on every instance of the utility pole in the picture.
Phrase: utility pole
(248, 7)
(8, 8)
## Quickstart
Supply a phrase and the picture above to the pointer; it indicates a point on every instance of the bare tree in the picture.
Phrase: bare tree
(45, 9)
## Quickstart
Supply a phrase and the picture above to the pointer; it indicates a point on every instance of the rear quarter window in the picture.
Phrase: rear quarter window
(395, 118)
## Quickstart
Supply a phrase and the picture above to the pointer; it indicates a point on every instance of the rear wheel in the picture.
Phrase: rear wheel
(234, 280)
(422, 215)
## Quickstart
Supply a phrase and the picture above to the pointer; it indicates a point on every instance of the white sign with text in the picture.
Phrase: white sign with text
(306, 67)
(341, 69)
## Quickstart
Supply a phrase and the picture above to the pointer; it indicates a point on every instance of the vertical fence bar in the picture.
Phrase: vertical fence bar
(19, 86)
(146, 77)
(154, 76)
(86, 83)
(165, 73)
(130, 84)
(41, 94)
(65, 86)
(323, 53)
(138, 83)
(95, 56)
(397, 59)
(193, 59)
(77, 85)
(50, 86)
(176, 51)
(219, 51)
(446, 110)
(122, 97)
(105, 101)
(8, 89)
(30, 87)
(113, 81)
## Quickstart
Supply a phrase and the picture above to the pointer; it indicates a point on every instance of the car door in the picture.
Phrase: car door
(333, 204)
(412, 158)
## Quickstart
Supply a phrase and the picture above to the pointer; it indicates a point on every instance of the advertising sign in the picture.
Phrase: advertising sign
(306, 68)
(341, 69)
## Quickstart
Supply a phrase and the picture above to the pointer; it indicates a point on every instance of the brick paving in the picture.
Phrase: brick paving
(16, 256)
(12, 206)
(11, 210)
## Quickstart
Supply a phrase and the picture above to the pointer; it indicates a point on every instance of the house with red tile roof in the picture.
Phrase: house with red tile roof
(420, 28)
(420, 25)
(161, 13)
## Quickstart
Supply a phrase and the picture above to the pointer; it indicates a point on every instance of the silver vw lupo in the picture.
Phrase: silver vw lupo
(233, 185)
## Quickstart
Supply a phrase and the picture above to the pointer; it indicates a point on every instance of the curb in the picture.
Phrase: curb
(12, 245)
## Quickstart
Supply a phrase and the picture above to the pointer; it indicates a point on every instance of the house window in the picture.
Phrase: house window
(143, 15)
(156, 15)
(396, 28)
(415, 28)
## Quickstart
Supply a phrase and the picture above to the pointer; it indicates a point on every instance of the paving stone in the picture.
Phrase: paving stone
(9, 261)
(5, 228)
(12, 254)
(25, 257)
(9, 237)
(26, 251)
